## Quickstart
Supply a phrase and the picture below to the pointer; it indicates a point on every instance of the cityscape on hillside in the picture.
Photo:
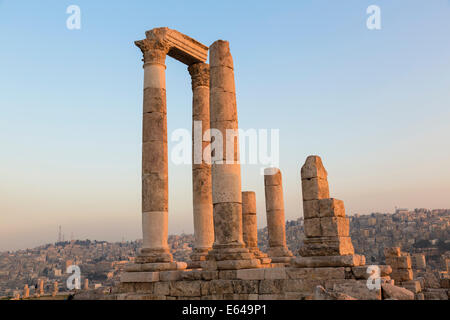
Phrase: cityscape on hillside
(424, 234)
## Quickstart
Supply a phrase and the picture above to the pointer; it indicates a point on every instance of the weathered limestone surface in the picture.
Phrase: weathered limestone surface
(273, 186)
(249, 227)
(229, 251)
(326, 227)
(201, 166)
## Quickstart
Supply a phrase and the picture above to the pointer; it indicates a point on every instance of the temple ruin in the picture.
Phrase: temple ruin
(226, 262)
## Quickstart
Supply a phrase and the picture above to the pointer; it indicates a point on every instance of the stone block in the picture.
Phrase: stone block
(392, 252)
(161, 288)
(245, 286)
(312, 227)
(185, 288)
(274, 273)
(271, 286)
(412, 285)
(250, 274)
(313, 168)
(334, 226)
(400, 275)
(311, 209)
(304, 286)
(170, 275)
(220, 287)
(402, 262)
(357, 289)
(327, 246)
(328, 261)
(396, 293)
(139, 277)
(331, 208)
(315, 189)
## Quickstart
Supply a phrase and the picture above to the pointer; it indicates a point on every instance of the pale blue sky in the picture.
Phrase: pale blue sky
(374, 104)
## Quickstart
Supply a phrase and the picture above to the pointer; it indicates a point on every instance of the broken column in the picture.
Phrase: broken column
(201, 165)
(327, 238)
(155, 254)
(278, 250)
(229, 251)
(26, 292)
(55, 289)
(86, 284)
(249, 226)
(41, 287)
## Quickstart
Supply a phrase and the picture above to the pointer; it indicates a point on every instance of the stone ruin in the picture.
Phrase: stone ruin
(226, 262)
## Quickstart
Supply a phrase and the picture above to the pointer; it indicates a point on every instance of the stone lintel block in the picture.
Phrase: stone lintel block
(392, 252)
(334, 227)
(315, 189)
(272, 177)
(328, 261)
(181, 47)
(313, 168)
(321, 273)
(139, 277)
(331, 208)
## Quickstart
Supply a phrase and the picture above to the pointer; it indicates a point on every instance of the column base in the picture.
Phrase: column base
(155, 266)
(230, 257)
(263, 257)
(198, 257)
(148, 255)
(280, 254)
(327, 246)
(351, 260)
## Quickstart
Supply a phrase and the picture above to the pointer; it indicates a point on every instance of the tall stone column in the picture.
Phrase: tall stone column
(249, 226)
(155, 254)
(229, 251)
(278, 251)
(201, 167)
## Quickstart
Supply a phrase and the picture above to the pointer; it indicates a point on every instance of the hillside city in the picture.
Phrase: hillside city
(422, 233)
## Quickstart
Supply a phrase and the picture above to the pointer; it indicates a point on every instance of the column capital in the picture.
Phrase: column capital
(153, 50)
(199, 74)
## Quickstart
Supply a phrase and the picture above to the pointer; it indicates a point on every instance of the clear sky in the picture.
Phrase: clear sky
(374, 104)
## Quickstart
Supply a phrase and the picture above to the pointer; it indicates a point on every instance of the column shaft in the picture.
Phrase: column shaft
(154, 155)
(201, 167)
(278, 250)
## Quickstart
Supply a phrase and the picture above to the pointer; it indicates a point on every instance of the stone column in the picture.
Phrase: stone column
(86, 284)
(201, 167)
(155, 252)
(249, 226)
(229, 250)
(278, 251)
(41, 287)
(55, 289)
(26, 292)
